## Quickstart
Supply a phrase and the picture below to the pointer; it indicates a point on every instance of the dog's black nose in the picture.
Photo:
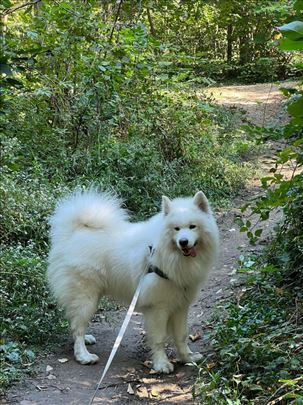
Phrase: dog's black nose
(183, 242)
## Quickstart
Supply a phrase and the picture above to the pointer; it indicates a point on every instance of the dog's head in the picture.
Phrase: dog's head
(186, 222)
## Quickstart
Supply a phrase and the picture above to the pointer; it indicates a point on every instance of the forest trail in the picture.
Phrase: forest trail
(129, 380)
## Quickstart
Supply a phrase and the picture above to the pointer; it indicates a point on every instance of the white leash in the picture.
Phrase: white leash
(119, 337)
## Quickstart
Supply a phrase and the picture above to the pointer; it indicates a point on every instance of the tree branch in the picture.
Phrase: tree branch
(12, 10)
(115, 22)
(151, 24)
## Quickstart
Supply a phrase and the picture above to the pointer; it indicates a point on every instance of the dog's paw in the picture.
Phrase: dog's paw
(163, 366)
(87, 359)
(90, 339)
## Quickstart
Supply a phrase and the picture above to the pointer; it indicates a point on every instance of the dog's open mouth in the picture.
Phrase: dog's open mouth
(187, 251)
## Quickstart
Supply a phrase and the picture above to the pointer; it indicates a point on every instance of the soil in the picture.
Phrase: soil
(60, 380)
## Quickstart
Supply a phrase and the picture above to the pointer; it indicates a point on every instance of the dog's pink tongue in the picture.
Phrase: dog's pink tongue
(193, 252)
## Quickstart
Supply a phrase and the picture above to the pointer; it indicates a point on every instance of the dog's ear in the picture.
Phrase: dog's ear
(201, 201)
(166, 203)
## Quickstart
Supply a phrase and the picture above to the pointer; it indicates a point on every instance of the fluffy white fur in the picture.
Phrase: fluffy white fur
(96, 251)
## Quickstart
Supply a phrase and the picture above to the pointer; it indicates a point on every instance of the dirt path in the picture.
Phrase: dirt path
(261, 102)
(129, 380)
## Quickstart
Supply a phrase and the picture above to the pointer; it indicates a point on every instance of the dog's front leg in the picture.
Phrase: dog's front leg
(156, 328)
(179, 331)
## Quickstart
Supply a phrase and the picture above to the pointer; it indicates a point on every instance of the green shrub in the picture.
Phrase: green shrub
(15, 360)
(257, 343)
(257, 338)
(29, 313)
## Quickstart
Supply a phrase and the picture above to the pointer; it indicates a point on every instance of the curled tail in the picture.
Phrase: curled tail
(88, 209)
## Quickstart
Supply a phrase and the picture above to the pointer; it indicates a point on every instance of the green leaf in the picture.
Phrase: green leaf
(289, 45)
(258, 232)
(298, 5)
(5, 69)
(6, 4)
(296, 108)
(14, 357)
(288, 91)
(164, 63)
(32, 35)
(13, 82)
(292, 30)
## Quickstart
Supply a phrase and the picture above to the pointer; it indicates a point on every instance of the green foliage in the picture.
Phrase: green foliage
(229, 40)
(257, 342)
(14, 358)
(293, 36)
(257, 338)
(29, 315)
(285, 190)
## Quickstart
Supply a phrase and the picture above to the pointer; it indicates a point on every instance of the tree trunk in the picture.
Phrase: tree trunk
(151, 24)
(229, 42)
(244, 51)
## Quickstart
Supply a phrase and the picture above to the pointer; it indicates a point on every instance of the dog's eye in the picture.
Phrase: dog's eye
(177, 228)
(192, 226)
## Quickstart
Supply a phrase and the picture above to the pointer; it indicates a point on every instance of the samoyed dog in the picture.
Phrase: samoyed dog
(96, 251)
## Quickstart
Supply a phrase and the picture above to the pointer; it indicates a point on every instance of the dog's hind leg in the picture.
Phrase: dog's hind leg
(83, 311)
(156, 328)
(178, 325)
(80, 304)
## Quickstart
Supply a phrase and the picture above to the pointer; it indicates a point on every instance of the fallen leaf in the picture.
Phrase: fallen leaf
(147, 363)
(148, 380)
(49, 369)
(142, 392)
(64, 360)
(195, 337)
(152, 371)
(210, 365)
(41, 387)
(130, 390)
(154, 393)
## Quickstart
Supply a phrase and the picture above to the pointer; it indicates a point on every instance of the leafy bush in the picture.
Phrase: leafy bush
(15, 360)
(29, 314)
(258, 338)
(257, 343)
(286, 191)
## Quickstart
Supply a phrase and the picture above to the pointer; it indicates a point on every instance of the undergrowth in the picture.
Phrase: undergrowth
(257, 342)
(257, 337)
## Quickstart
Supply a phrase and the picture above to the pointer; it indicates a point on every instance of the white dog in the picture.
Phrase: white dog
(96, 251)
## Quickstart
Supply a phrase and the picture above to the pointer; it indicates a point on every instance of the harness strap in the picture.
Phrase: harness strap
(155, 269)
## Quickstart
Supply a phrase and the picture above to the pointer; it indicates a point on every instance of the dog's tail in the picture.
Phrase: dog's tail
(90, 210)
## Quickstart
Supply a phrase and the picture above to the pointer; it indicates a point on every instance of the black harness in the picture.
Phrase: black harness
(155, 269)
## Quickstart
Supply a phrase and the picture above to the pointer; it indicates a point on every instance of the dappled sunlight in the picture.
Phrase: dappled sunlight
(261, 103)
